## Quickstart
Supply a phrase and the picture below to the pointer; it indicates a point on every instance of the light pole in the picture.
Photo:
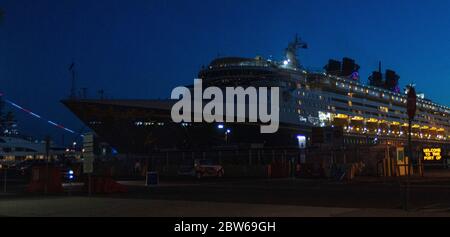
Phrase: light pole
(227, 131)
(411, 109)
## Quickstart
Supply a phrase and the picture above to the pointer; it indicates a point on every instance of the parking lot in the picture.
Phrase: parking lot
(368, 196)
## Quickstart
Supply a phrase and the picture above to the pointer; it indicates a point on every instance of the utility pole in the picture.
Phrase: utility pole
(47, 153)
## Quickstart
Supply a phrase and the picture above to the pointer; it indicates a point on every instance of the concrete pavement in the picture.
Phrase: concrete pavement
(116, 207)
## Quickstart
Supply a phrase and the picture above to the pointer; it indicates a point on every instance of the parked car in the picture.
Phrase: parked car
(201, 168)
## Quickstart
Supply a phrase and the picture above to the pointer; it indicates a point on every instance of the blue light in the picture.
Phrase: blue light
(71, 172)
(220, 126)
(70, 176)
(301, 141)
(301, 137)
(228, 131)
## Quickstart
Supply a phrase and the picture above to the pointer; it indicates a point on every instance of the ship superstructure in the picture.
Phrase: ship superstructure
(366, 114)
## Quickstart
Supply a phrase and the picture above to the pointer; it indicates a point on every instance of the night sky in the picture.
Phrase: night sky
(144, 48)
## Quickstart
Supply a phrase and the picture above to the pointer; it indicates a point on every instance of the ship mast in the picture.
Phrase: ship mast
(72, 88)
(291, 52)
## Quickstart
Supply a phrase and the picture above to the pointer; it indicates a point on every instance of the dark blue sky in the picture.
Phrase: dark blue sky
(144, 48)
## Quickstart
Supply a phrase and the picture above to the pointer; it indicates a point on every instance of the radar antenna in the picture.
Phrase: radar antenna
(291, 52)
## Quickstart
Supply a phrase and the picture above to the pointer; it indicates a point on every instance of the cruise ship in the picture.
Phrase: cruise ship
(334, 97)
(16, 147)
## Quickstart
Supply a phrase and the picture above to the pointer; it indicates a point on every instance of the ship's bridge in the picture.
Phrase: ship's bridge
(240, 61)
(237, 69)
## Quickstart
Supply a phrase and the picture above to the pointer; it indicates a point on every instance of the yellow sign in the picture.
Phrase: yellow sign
(430, 154)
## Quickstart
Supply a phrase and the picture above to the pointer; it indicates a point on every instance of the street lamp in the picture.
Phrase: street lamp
(228, 131)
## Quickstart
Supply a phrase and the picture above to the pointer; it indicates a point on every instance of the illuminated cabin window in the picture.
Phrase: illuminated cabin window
(350, 103)
(299, 102)
(384, 109)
